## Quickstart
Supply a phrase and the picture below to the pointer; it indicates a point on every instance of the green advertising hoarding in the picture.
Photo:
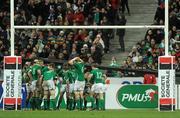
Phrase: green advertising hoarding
(138, 96)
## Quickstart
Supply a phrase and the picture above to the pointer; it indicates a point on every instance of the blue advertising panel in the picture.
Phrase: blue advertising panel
(24, 94)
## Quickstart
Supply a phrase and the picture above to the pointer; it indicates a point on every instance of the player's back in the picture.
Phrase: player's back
(35, 69)
(97, 75)
(49, 75)
(79, 67)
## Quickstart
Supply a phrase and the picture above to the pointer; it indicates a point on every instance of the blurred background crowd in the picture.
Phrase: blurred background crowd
(68, 12)
(90, 45)
(144, 55)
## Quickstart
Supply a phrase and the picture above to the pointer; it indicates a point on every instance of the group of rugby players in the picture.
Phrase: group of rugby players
(77, 82)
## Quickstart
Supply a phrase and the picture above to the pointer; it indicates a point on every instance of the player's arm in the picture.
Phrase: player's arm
(89, 76)
(66, 78)
(30, 76)
(79, 59)
(59, 74)
(71, 62)
(86, 75)
(39, 76)
(104, 76)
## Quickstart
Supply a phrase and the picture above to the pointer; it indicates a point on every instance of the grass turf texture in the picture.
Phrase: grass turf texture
(90, 114)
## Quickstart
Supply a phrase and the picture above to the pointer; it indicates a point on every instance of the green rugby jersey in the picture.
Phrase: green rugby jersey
(79, 67)
(34, 71)
(97, 75)
(62, 74)
(71, 76)
(49, 75)
(44, 69)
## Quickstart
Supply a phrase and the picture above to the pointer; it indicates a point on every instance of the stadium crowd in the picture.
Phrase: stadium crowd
(4, 30)
(90, 45)
(66, 44)
(68, 12)
(144, 55)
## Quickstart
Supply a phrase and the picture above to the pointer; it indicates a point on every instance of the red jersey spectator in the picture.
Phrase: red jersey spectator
(70, 17)
(149, 79)
(115, 4)
(80, 36)
(79, 17)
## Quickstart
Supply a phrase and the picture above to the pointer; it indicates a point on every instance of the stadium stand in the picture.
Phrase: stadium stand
(65, 12)
(4, 30)
(57, 44)
(90, 45)
(145, 53)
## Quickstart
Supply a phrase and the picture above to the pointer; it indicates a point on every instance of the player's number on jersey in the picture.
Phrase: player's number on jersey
(99, 75)
(82, 69)
(33, 71)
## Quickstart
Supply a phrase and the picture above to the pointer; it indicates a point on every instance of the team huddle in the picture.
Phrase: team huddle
(81, 85)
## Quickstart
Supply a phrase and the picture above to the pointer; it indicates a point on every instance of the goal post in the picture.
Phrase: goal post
(166, 83)
(166, 72)
(90, 27)
(12, 78)
(12, 83)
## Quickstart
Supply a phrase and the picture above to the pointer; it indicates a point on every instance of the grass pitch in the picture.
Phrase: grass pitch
(90, 114)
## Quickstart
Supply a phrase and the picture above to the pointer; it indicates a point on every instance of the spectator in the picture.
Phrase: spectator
(124, 3)
(111, 72)
(114, 4)
(160, 13)
(178, 64)
(79, 17)
(149, 79)
(121, 32)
